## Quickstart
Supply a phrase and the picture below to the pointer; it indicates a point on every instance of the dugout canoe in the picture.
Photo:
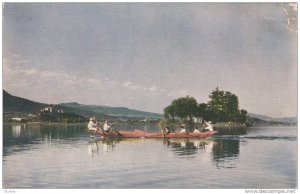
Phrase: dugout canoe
(142, 134)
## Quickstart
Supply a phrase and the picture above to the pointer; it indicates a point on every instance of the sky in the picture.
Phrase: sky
(144, 55)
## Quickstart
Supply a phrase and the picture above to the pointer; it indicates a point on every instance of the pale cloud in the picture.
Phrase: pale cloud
(134, 87)
(153, 89)
(162, 90)
(142, 88)
(130, 85)
(17, 76)
(49, 74)
(29, 72)
(94, 81)
(126, 84)
(179, 93)
(21, 61)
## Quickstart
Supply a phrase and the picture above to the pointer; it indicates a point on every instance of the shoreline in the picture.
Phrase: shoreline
(229, 125)
(215, 125)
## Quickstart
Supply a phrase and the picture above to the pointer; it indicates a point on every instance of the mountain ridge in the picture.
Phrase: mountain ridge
(13, 103)
(268, 118)
(112, 111)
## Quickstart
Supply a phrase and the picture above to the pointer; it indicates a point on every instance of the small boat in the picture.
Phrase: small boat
(142, 134)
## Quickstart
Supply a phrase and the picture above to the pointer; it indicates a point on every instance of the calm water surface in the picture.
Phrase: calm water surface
(65, 156)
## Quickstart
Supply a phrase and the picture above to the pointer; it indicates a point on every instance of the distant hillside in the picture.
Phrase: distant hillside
(12, 104)
(16, 104)
(265, 119)
(113, 111)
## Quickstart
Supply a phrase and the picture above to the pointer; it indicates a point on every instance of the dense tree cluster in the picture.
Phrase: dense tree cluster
(222, 107)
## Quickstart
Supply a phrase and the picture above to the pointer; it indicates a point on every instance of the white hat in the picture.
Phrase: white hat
(91, 119)
(209, 122)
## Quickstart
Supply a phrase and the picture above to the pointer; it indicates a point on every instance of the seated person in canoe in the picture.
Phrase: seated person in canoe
(93, 125)
(196, 130)
(106, 127)
(182, 129)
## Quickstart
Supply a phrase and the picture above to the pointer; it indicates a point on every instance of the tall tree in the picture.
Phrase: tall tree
(184, 108)
(224, 105)
(169, 112)
(243, 116)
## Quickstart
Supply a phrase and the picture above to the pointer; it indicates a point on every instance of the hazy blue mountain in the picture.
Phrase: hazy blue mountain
(267, 118)
(112, 111)
(13, 104)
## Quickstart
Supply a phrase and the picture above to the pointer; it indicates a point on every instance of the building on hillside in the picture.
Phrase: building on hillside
(47, 110)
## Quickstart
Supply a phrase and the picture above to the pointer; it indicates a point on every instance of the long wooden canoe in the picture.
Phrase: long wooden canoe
(142, 134)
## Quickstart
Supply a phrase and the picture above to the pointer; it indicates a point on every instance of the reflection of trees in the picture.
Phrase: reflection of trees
(187, 147)
(225, 151)
(108, 144)
(231, 130)
(23, 136)
(63, 131)
(18, 135)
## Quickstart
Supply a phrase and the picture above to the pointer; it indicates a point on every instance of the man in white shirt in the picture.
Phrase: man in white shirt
(92, 125)
(182, 129)
(106, 126)
(208, 126)
(196, 130)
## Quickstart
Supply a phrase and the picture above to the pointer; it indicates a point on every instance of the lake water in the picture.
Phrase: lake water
(65, 156)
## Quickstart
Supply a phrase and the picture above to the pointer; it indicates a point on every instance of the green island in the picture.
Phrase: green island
(222, 109)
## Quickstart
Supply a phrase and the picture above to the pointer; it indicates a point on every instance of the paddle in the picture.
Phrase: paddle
(115, 131)
(99, 128)
(111, 129)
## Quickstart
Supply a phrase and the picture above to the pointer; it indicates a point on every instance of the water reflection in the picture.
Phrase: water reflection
(107, 144)
(225, 151)
(232, 131)
(22, 137)
(93, 148)
(47, 139)
(190, 147)
(16, 131)
(222, 152)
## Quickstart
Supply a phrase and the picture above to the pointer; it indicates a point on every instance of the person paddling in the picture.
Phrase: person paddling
(196, 130)
(92, 125)
(106, 127)
(182, 129)
(208, 126)
(165, 131)
(109, 128)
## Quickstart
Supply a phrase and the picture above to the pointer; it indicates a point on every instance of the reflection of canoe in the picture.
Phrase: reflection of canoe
(140, 134)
